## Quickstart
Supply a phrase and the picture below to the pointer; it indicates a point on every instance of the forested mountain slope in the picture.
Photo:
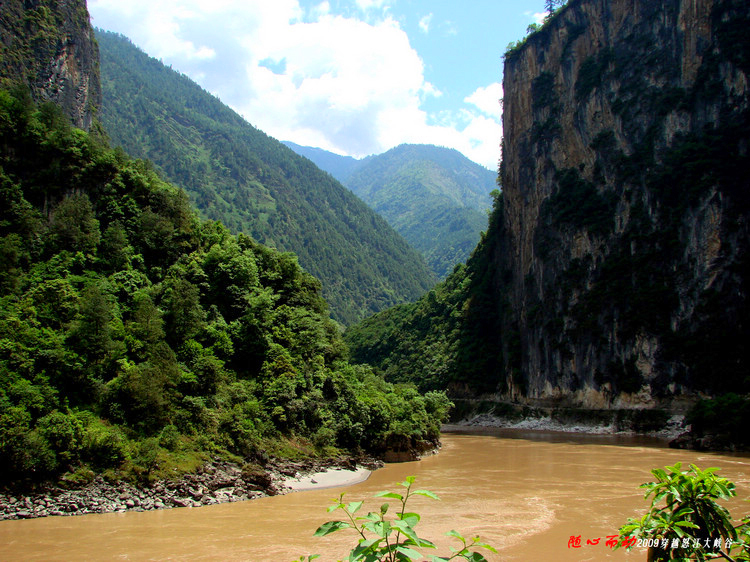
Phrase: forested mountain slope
(434, 197)
(253, 184)
(136, 337)
(615, 270)
(340, 167)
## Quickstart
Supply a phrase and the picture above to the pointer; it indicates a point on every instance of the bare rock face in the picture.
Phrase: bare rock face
(625, 207)
(49, 45)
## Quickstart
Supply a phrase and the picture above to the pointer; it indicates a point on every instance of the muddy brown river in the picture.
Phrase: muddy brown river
(526, 493)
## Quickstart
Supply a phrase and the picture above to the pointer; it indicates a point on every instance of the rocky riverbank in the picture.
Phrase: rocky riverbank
(660, 423)
(674, 426)
(216, 482)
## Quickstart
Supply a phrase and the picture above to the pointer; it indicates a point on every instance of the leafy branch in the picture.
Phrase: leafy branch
(383, 539)
(690, 525)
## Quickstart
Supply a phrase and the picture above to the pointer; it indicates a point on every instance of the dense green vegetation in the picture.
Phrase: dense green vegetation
(253, 184)
(136, 338)
(435, 197)
(450, 337)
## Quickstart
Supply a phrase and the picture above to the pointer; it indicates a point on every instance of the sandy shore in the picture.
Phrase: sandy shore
(330, 478)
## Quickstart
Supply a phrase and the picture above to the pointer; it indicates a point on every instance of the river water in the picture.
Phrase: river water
(526, 493)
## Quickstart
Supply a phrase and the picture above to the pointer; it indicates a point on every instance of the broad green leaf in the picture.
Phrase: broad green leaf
(411, 518)
(406, 529)
(331, 527)
(380, 528)
(338, 505)
(354, 507)
(364, 547)
(659, 473)
(424, 543)
(392, 495)
(411, 553)
(426, 493)
(485, 546)
(369, 542)
(454, 533)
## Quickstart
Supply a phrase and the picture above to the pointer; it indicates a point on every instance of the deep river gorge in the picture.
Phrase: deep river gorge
(527, 493)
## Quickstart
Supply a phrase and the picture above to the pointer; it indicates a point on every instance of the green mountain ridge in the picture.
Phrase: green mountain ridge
(253, 184)
(340, 167)
(433, 196)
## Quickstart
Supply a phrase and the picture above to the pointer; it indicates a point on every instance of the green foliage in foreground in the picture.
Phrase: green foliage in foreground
(391, 539)
(690, 524)
(136, 338)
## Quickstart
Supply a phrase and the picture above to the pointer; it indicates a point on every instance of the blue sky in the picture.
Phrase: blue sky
(356, 77)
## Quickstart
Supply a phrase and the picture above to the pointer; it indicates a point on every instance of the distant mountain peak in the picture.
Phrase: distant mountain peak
(432, 195)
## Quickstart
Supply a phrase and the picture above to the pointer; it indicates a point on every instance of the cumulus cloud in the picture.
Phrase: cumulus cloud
(340, 83)
(487, 99)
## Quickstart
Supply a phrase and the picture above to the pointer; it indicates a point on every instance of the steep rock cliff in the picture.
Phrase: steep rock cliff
(624, 257)
(50, 46)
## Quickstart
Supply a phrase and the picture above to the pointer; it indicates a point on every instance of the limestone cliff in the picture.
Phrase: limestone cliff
(626, 198)
(50, 45)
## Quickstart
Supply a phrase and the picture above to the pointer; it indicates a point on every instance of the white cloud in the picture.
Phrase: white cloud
(335, 82)
(487, 99)
(424, 23)
(322, 9)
